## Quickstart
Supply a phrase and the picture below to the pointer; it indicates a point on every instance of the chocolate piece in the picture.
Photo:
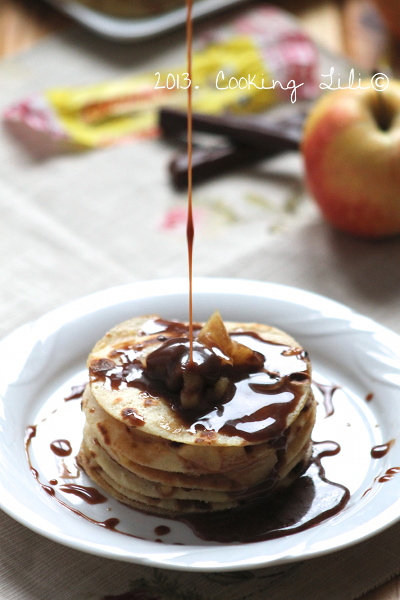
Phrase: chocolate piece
(247, 141)
(212, 162)
(280, 134)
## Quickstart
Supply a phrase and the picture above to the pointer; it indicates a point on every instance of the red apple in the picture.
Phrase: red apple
(351, 150)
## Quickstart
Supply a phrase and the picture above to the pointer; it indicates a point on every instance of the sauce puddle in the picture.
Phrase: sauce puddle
(310, 500)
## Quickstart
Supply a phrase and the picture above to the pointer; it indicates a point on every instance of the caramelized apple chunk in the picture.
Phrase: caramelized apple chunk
(207, 378)
(215, 336)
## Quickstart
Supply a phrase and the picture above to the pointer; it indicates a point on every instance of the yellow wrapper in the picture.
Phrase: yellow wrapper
(117, 111)
(244, 65)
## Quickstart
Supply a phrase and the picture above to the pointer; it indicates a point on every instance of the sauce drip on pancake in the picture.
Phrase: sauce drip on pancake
(255, 408)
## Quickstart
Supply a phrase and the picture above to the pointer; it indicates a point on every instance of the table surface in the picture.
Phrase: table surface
(332, 23)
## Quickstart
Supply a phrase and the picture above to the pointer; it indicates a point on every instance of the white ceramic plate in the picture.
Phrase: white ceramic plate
(137, 29)
(42, 360)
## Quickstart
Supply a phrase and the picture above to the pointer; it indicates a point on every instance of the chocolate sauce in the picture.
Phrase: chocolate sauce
(190, 223)
(327, 448)
(168, 363)
(390, 473)
(83, 492)
(30, 433)
(61, 447)
(133, 418)
(327, 394)
(382, 449)
(89, 494)
(309, 501)
(168, 328)
(76, 392)
(162, 530)
(255, 407)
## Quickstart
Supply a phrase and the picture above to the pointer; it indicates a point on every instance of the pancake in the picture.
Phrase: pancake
(162, 454)
(254, 462)
(153, 414)
(247, 433)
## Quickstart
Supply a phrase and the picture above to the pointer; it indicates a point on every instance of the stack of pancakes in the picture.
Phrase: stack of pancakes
(140, 448)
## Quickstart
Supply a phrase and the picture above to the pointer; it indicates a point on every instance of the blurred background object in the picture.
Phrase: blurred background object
(390, 11)
(357, 28)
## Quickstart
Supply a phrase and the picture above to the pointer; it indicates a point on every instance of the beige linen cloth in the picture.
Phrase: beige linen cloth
(76, 223)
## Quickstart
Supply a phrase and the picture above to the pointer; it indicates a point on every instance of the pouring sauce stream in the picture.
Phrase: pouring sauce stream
(190, 224)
